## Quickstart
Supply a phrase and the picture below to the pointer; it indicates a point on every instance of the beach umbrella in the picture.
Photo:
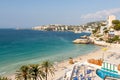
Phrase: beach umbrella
(104, 49)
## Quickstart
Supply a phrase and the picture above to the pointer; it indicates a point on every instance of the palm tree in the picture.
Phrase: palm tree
(36, 72)
(4, 78)
(23, 73)
(47, 67)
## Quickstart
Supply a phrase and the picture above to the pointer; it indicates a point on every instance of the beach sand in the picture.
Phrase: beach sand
(61, 67)
(60, 70)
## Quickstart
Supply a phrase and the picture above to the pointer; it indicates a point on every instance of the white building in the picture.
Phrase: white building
(110, 19)
(56, 29)
(89, 29)
(40, 27)
(37, 28)
(117, 33)
(62, 28)
(66, 27)
(102, 29)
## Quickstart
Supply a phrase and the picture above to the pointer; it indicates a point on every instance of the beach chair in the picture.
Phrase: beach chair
(75, 78)
(89, 71)
(83, 78)
(89, 78)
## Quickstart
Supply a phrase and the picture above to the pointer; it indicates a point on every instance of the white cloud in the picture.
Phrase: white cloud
(101, 14)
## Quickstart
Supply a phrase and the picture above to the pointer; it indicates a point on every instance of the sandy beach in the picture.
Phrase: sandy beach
(60, 70)
(61, 67)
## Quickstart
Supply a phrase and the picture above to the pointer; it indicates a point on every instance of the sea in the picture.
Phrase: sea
(23, 47)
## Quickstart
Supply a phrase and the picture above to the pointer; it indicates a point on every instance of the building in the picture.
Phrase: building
(117, 33)
(102, 30)
(110, 19)
(37, 28)
(89, 29)
(110, 66)
(111, 33)
(66, 27)
(62, 28)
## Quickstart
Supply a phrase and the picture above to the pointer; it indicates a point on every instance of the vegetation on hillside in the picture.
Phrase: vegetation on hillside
(115, 39)
(116, 24)
(97, 29)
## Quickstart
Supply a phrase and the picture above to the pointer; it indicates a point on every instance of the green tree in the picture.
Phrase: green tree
(23, 73)
(105, 28)
(47, 67)
(117, 27)
(109, 40)
(116, 38)
(115, 22)
(94, 31)
(106, 31)
(36, 72)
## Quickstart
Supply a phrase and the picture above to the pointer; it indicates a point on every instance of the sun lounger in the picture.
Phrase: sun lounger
(75, 78)
(89, 71)
(89, 78)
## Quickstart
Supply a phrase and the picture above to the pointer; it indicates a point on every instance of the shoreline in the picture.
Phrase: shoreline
(64, 65)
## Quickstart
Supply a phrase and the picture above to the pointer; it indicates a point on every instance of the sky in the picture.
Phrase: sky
(30, 13)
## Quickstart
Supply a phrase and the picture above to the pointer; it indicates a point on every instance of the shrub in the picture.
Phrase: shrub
(115, 22)
(110, 40)
(114, 39)
(101, 39)
(117, 27)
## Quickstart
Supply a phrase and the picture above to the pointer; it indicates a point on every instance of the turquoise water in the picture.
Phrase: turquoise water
(102, 74)
(18, 47)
